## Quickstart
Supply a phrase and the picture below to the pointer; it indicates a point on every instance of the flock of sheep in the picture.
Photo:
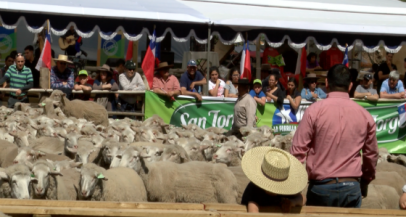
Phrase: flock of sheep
(65, 154)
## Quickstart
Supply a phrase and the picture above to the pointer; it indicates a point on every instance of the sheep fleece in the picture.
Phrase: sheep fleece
(191, 182)
(88, 110)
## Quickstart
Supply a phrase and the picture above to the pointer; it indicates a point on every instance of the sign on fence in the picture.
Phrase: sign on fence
(219, 113)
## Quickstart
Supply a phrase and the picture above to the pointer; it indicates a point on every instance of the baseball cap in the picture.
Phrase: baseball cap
(130, 64)
(192, 63)
(83, 72)
(368, 77)
(257, 81)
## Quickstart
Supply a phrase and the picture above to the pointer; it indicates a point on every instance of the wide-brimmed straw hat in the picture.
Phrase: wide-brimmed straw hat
(311, 76)
(62, 58)
(105, 68)
(274, 170)
(163, 65)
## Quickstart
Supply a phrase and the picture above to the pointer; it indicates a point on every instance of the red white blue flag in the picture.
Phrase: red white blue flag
(45, 60)
(345, 60)
(245, 65)
(150, 60)
(402, 114)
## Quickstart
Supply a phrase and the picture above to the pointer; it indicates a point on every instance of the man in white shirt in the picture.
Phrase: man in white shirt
(131, 81)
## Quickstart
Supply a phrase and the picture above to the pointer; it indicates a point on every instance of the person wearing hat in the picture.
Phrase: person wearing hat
(164, 83)
(216, 85)
(61, 77)
(392, 88)
(277, 179)
(130, 80)
(20, 78)
(365, 89)
(244, 110)
(329, 139)
(82, 85)
(104, 81)
(192, 80)
(257, 93)
(311, 92)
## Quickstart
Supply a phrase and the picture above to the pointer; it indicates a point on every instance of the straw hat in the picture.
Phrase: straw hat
(62, 58)
(163, 65)
(311, 76)
(274, 170)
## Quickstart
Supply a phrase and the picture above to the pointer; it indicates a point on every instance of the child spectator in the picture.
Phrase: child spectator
(257, 93)
(83, 85)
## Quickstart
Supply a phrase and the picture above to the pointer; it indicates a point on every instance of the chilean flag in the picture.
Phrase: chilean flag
(402, 114)
(245, 65)
(150, 60)
(45, 60)
(345, 60)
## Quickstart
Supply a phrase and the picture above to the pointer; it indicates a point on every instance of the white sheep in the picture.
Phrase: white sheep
(192, 182)
(116, 184)
(28, 155)
(19, 178)
(229, 154)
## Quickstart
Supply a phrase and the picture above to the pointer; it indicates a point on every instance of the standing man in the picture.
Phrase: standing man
(384, 69)
(19, 77)
(245, 108)
(61, 77)
(120, 69)
(192, 80)
(31, 63)
(164, 83)
(329, 138)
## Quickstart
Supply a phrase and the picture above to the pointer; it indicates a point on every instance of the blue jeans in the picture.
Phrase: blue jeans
(343, 194)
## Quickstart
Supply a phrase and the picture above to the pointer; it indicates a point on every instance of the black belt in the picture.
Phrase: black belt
(334, 181)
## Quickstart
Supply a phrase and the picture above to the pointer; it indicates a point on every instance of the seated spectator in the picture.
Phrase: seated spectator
(216, 85)
(402, 200)
(365, 90)
(257, 93)
(164, 83)
(120, 69)
(82, 85)
(273, 92)
(132, 81)
(192, 80)
(61, 77)
(231, 87)
(311, 63)
(311, 92)
(277, 73)
(7, 63)
(104, 81)
(392, 88)
(293, 94)
(277, 179)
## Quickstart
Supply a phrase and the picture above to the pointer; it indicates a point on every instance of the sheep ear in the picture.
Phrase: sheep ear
(40, 154)
(3, 176)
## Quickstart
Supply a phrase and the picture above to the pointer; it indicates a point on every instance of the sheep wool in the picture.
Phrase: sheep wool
(8, 151)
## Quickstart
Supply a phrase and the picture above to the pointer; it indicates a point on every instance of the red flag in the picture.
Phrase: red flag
(45, 60)
(303, 64)
(148, 65)
(129, 55)
(245, 63)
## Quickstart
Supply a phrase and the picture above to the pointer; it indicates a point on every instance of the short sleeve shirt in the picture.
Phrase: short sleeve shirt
(361, 89)
(220, 91)
(295, 94)
(171, 84)
(231, 89)
(186, 81)
(259, 95)
(385, 87)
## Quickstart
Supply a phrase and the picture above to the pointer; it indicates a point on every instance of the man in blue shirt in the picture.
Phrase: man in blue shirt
(192, 80)
(257, 93)
(392, 88)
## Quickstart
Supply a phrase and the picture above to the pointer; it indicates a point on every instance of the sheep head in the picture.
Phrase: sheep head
(27, 155)
(19, 177)
(42, 170)
(90, 176)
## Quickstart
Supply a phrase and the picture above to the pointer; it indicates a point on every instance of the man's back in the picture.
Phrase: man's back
(332, 133)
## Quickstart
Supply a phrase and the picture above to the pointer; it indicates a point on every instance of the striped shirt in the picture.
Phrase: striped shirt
(18, 79)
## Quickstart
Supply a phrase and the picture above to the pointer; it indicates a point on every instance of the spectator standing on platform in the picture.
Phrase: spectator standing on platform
(19, 77)
(120, 69)
(392, 88)
(311, 63)
(31, 63)
(231, 87)
(244, 110)
(164, 83)
(293, 94)
(104, 81)
(311, 92)
(7, 63)
(62, 78)
(130, 81)
(384, 69)
(277, 179)
(192, 80)
(329, 139)
(365, 90)
(83, 86)
(257, 93)
(274, 92)
(216, 85)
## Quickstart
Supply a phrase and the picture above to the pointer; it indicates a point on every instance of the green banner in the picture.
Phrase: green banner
(113, 48)
(8, 42)
(219, 112)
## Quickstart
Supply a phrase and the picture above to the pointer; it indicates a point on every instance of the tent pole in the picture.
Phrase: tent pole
(206, 90)
(258, 58)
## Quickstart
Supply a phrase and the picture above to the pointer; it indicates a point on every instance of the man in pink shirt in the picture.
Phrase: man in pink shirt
(165, 84)
(329, 138)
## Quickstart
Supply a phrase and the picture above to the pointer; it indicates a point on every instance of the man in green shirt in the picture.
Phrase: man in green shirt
(20, 78)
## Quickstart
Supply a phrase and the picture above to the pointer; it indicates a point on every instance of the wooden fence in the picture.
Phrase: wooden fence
(47, 208)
